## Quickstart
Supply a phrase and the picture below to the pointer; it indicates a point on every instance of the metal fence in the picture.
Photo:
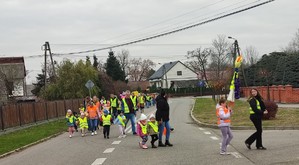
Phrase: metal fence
(19, 114)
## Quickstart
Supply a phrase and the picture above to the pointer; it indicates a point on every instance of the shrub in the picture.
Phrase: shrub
(272, 110)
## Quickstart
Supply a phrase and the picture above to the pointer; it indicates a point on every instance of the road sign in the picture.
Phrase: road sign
(89, 84)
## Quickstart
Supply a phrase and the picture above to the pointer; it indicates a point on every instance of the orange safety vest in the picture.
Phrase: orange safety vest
(218, 116)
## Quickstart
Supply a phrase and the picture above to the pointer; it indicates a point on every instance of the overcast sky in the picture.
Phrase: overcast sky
(77, 25)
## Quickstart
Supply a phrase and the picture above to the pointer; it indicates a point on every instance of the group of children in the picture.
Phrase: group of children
(146, 128)
(106, 120)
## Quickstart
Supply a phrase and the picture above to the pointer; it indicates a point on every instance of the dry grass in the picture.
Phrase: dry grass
(205, 111)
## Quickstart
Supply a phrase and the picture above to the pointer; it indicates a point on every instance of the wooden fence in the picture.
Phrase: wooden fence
(19, 114)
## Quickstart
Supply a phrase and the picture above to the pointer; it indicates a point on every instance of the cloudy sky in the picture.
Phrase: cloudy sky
(77, 25)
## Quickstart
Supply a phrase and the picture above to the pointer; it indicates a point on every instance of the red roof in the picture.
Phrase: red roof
(9, 60)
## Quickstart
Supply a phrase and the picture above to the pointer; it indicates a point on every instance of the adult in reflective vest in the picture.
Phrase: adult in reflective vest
(114, 105)
(141, 99)
(134, 99)
(223, 115)
(153, 130)
(107, 120)
(83, 124)
(256, 110)
(127, 107)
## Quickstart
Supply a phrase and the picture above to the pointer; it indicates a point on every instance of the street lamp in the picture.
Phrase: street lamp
(164, 71)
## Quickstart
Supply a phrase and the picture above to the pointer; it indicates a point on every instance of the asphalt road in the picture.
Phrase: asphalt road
(192, 145)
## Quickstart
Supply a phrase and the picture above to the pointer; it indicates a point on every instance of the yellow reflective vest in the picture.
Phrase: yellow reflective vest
(113, 102)
(106, 120)
(258, 106)
(143, 128)
(126, 107)
(83, 122)
(121, 120)
(154, 126)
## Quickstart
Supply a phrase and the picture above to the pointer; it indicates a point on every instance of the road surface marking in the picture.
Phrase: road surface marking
(207, 133)
(99, 161)
(116, 142)
(201, 129)
(236, 154)
(108, 150)
(214, 137)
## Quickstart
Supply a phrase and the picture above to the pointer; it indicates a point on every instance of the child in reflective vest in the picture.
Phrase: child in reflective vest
(120, 121)
(82, 122)
(107, 120)
(152, 129)
(142, 131)
(70, 120)
(223, 115)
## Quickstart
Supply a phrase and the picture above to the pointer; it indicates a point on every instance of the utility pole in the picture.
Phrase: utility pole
(237, 52)
(47, 50)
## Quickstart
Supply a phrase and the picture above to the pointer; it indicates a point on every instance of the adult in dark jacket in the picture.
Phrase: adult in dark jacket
(257, 109)
(162, 116)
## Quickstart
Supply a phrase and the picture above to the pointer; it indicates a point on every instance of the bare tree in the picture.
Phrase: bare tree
(251, 55)
(123, 58)
(138, 68)
(294, 44)
(199, 60)
(220, 55)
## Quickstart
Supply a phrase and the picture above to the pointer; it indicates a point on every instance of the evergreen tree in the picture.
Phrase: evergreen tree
(113, 68)
(95, 62)
(88, 63)
(277, 68)
(39, 85)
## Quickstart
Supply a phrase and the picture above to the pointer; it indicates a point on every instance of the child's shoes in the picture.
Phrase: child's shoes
(144, 147)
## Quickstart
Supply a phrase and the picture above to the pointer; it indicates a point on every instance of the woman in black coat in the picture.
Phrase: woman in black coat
(257, 109)
(162, 116)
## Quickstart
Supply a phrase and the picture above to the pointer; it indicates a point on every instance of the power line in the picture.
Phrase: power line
(164, 21)
(170, 32)
(170, 27)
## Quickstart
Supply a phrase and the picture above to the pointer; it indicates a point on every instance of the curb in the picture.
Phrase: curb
(214, 126)
(31, 144)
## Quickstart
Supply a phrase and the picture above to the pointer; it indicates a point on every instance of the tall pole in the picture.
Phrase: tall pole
(52, 62)
(45, 65)
(165, 76)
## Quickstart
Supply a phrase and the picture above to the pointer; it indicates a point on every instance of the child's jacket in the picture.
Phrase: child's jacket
(152, 128)
(141, 129)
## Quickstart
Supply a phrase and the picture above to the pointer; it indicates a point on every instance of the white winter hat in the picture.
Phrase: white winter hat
(143, 117)
(69, 110)
(152, 116)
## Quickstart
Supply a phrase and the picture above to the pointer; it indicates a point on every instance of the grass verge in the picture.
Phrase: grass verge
(20, 138)
(205, 111)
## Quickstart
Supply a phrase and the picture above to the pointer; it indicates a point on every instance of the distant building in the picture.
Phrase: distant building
(12, 77)
(174, 75)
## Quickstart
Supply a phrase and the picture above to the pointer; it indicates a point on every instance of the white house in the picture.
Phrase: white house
(174, 75)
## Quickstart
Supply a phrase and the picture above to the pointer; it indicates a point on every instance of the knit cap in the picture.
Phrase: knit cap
(152, 116)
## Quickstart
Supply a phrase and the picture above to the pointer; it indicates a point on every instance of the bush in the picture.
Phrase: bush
(272, 110)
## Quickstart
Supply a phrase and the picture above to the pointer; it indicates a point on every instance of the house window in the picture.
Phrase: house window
(179, 73)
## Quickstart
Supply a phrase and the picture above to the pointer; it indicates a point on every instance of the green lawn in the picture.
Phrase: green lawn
(205, 111)
(14, 140)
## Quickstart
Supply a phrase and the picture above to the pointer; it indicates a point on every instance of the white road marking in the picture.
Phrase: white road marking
(108, 150)
(116, 142)
(236, 154)
(201, 129)
(207, 133)
(99, 161)
(214, 137)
